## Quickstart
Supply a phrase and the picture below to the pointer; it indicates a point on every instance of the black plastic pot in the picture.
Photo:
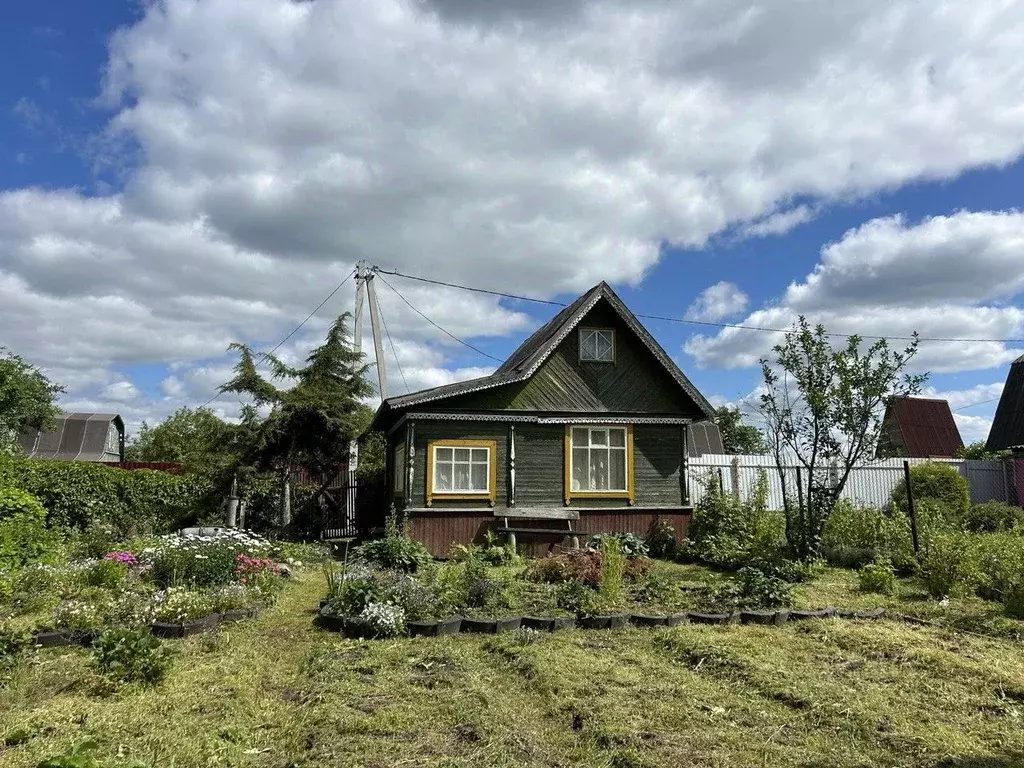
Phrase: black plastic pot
(549, 623)
(871, 613)
(329, 621)
(62, 637)
(491, 626)
(757, 617)
(606, 621)
(229, 617)
(185, 628)
(708, 618)
(846, 613)
(435, 628)
(825, 613)
(648, 620)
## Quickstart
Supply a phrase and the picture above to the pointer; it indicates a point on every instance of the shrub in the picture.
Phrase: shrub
(938, 481)
(197, 566)
(855, 535)
(106, 573)
(575, 596)
(396, 550)
(13, 644)
(878, 577)
(948, 564)
(1013, 600)
(131, 656)
(993, 517)
(630, 544)
(24, 537)
(661, 541)
(1000, 559)
(613, 569)
(130, 610)
(657, 589)
(754, 589)
(582, 564)
(78, 613)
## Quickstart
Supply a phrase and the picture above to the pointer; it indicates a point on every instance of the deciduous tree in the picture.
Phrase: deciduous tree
(738, 437)
(26, 399)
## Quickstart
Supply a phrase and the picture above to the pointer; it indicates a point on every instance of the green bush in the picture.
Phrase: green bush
(878, 577)
(938, 481)
(613, 568)
(630, 544)
(24, 537)
(199, 565)
(658, 589)
(661, 541)
(753, 589)
(993, 517)
(577, 597)
(396, 550)
(77, 493)
(131, 656)
(1000, 559)
(949, 564)
(106, 573)
(855, 535)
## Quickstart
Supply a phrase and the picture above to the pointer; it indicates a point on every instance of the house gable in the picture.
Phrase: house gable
(634, 382)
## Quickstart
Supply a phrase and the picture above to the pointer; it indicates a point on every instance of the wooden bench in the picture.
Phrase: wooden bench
(538, 515)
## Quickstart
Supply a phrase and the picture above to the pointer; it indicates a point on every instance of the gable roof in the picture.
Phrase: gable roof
(921, 428)
(75, 437)
(1007, 429)
(529, 355)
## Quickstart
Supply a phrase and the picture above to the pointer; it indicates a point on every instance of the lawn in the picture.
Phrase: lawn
(276, 692)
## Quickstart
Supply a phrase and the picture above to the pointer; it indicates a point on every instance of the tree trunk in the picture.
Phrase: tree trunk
(286, 498)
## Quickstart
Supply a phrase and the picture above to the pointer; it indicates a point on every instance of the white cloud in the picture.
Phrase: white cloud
(536, 147)
(121, 392)
(972, 428)
(717, 301)
(947, 277)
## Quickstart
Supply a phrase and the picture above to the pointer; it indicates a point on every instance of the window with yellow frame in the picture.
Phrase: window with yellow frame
(598, 462)
(462, 469)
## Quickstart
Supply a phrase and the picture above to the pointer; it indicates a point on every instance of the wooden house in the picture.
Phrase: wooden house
(583, 429)
(918, 427)
(78, 437)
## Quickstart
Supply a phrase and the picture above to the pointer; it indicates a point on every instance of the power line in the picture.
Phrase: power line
(387, 333)
(264, 355)
(447, 333)
(683, 321)
(982, 402)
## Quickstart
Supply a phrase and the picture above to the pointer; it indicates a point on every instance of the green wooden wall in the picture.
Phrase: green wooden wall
(540, 462)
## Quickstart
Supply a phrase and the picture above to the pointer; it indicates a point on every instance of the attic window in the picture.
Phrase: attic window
(597, 345)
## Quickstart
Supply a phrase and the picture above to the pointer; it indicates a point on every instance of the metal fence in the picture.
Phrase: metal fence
(871, 483)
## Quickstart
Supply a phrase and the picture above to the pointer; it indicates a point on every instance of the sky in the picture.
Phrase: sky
(176, 176)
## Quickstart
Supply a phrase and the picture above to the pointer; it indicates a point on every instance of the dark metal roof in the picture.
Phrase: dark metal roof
(1008, 424)
(918, 427)
(76, 436)
(528, 357)
(704, 437)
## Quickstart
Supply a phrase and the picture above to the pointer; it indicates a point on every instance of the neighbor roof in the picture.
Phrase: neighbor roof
(918, 427)
(529, 355)
(76, 436)
(1007, 429)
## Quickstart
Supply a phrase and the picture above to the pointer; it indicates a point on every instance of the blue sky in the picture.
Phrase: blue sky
(209, 174)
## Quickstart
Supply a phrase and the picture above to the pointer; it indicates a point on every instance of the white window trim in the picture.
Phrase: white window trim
(624, 448)
(461, 491)
(609, 331)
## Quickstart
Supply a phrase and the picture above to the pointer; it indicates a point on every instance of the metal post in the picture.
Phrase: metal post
(910, 506)
(511, 465)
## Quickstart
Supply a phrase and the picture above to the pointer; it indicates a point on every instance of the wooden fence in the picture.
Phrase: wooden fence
(871, 483)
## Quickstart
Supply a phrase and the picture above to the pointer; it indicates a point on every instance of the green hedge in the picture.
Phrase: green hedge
(940, 482)
(76, 494)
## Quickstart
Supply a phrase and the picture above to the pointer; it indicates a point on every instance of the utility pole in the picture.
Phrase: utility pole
(365, 287)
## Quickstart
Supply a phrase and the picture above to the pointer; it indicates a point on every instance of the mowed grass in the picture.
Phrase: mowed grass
(276, 692)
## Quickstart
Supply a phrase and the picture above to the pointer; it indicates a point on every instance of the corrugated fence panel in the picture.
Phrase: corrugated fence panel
(871, 483)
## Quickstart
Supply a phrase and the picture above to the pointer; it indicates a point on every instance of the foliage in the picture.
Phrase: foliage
(197, 565)
(396, 550)
(78, 494)
(948, 564)
(661, 541)
(311, 423)
(177, 604)
(130, 609)
(196, 438)
(383, 619)
(1000, 560)
(939, 482)
(79, 613)
(979, 451)
(613, 568)
(1013, 599)
(993, 517)
(856, 535)
(630, 544)
(576, 596)
(131, 656)
(729, 533)
(24, 537)
(737, 437)
(491, 551)
(584, 565)
(26, 399)
(106, 573)
(752, 588)
(823, 407)
(13, 645)
(657, 589)
(878, 577)
(373, 456)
